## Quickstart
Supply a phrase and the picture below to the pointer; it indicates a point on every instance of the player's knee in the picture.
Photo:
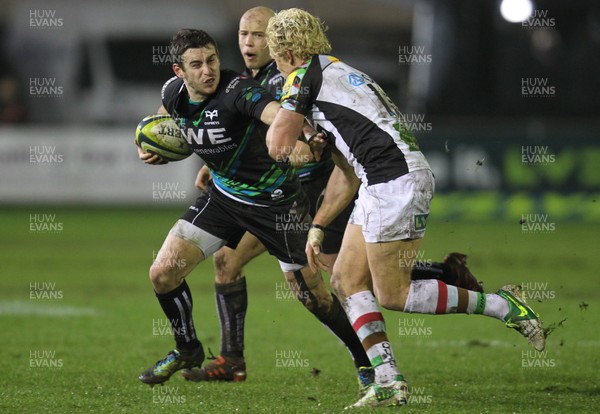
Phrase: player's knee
(343, 285)
(393, 299)
(225, 269)
(310, 289)
(317, 302)
(336, 285)
(162, 278)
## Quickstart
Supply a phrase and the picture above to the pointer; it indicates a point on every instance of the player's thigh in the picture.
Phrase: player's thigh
(174, 261)
(178, 255)
(390, 264)
(351, 269)
(228, 262)
(283, 230)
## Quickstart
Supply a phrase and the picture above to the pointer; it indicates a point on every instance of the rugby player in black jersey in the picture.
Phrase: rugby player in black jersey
(376, 155)
(224, 117)
(230, 282)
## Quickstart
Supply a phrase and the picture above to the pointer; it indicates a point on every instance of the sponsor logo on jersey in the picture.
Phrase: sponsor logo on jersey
(212, 114)
(355, 80)
(254, 94)
(420, 221)
(232, 84)
(167, 83)
(276, 80)
(215, 136)
(277, 194)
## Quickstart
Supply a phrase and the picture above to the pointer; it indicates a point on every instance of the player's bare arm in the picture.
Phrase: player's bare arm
(270, 112)
(283, 133)
(301, 154)
(340, 190)
(203, 178)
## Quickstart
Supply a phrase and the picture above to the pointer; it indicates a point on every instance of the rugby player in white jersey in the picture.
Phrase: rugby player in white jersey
(376, 154)
(230, 281)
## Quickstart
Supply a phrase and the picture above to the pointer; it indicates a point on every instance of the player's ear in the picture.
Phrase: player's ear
(216, 49)
(291, 59)
(178, 70)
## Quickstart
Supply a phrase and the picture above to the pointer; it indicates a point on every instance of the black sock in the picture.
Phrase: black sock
(336, 320)
(232, 303)
(177, 306)
(426, 270)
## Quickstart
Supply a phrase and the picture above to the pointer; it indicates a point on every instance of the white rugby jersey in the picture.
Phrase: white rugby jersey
(363, 122)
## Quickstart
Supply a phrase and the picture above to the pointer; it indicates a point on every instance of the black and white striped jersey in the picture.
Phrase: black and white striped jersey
(364, 123)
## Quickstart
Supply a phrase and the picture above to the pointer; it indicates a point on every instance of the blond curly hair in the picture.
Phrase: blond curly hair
(299, 32)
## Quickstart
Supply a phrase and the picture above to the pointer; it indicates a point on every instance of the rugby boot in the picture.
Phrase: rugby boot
(522, 318)
(221, 369)
(389, 395)
(173, 362)
(366, 378)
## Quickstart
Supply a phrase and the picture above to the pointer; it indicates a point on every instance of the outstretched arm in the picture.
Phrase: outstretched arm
(340, 191)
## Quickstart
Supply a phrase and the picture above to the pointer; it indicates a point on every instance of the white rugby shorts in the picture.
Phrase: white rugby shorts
(395, 210)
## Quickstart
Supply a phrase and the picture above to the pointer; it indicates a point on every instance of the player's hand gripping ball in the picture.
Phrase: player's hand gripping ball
(160, 135)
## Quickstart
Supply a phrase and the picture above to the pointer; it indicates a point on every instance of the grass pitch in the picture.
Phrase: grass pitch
(79, 322)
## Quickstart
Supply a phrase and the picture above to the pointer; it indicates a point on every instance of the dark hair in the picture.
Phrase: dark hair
(186, 39)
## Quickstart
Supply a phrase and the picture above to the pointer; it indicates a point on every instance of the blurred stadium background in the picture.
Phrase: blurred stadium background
(507, 112)
(503, 97)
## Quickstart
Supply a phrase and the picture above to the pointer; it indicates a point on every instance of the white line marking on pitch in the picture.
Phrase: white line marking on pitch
(21, 308)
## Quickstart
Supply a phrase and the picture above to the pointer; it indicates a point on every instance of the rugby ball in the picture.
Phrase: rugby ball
(160, 135)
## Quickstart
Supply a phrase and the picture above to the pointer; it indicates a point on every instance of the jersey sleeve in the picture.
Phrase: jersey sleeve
(169, 93)
(296, 94)
(247, 97)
